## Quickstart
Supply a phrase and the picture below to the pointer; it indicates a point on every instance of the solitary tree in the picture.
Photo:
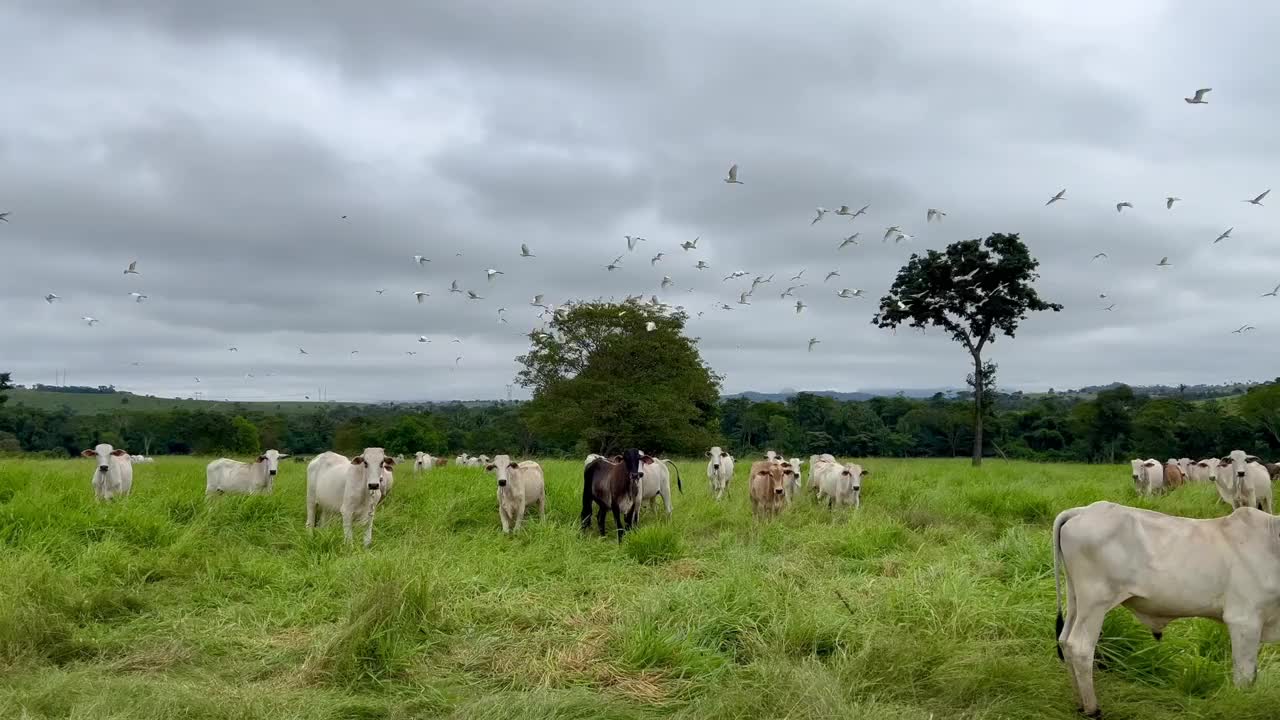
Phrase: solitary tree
(4, 385)
(599, 375)
(973, 290)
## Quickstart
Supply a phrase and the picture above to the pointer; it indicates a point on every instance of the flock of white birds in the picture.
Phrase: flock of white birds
(796, 282)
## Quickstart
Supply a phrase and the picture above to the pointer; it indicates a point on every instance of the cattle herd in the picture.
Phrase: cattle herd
(1159, 566)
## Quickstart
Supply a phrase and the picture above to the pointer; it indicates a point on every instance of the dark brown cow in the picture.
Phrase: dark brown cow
(1273, 469)
(441, 462)
(1173, 476)
(613, 485)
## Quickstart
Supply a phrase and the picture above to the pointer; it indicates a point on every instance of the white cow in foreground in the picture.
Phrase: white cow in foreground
(1163, 568)
(655, 480)
(114, 475)
(1252, 484)
(719, 471)
(519, 486)
(840, 484)
(422, 462)
(352, 488)
(232, 476)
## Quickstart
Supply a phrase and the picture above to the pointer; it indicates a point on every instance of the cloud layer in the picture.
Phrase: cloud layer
(220, 144)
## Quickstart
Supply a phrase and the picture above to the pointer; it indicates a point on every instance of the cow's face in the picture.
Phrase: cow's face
(502, 467)
(375, 468)
(717, 457)
(271, 459)
(103, 453)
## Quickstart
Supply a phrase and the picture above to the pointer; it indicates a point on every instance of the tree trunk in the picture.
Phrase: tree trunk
(979, 383)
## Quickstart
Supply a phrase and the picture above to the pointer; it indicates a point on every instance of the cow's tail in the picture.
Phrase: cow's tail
(1058, 522)
(585, 519)
(673, 467)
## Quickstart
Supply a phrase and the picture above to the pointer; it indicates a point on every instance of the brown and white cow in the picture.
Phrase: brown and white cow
(767, 486)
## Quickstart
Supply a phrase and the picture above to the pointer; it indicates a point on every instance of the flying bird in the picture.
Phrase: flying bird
(4, 216)
(537, 300)
(90, 321)
(723, 306)
(833, 273)
(633, 240)
(890, 231)
(233, 349)
(410, 353)
(821, 211)
(702, 265)
(735, 275)
(1062, 194)
(861, 211)
(490, 273)
(732, 179)
(420, 294)
(654, 260)
(932, 214)
(1164, 262)
(453, 287)
(1102, 296)
(1099, 255)
(847, 293)
(690, 244)
(1243, 329)
(742, 299)
(1169, 201)
(471, 295)
(798, 275)
(651, 326)
(851, 240)
(501, 310)
(51, 297)
(1225, 234)
(380, 291)
(1198, 98)
(303, 352)
(812, 342)
(457, 360)
(903, 236)
(1110, 307)
(456, 340)
(421, 260)
(1258, 200)
(666, 281)
(844, 210)
(136, 364)
(800, 306)
(789, 291)
(197, 379)
(132, 269)
(968, 276)
(524, 251)
(1273, 293)
(761, 280)
(1120, 206)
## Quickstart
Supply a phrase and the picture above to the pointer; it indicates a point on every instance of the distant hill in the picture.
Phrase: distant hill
(856, 396)
(119, 401)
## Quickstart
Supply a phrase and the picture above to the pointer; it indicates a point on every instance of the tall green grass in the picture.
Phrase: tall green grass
(165, 606)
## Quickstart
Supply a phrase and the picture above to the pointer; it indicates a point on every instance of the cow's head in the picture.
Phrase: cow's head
(775, 476)
(271, 459)
(717, 456)
(102, 452)
(502, 467)
(1238, 459)
(375, 468)
(635, 461)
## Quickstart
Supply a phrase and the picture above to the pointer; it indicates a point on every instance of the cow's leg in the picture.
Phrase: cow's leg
(519, 513)
(346, 525)
(601, 516)
(1246, 635)
(542, 507)
(502, 516)
(368, 527)
(1091, 609)
(666, 500)
(617, 521)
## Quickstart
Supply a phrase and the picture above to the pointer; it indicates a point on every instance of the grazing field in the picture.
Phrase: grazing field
(161, 606)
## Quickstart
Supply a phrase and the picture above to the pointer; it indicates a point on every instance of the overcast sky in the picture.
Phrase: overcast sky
(219, 144)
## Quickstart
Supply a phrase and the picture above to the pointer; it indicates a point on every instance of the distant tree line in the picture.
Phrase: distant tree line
(1112, 426)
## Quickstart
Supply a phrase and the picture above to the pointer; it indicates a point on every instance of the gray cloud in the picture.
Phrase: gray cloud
(220, 144)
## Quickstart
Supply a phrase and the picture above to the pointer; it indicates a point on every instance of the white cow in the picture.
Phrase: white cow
(814, 460)
(1223, 481)
(1201, 471)
(352, 488)
(519, 486)
(422, 462)
(655, 480)
(840, 484)
(1184, 464)
(232, 476)
(1163, 568)
(114, 475)
(461, 460)
(795, 481)
(477, 462)
(772, 456)
(719, 471)
(1252, 486)
(1148, 476)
